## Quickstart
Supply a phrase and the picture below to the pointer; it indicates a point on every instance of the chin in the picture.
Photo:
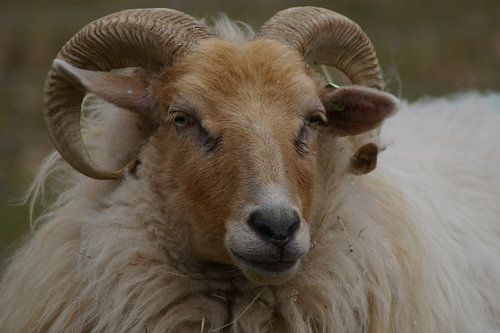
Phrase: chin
(266, 273)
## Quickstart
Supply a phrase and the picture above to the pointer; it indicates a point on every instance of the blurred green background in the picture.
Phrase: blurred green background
(426, 48)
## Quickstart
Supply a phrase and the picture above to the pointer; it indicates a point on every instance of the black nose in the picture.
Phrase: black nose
(276, 225)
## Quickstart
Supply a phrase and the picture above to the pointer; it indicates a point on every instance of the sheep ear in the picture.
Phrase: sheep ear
(128, 91)
(364, 160)
(354, 110)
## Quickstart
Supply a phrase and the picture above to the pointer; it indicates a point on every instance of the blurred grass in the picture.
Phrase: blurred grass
(432, 47)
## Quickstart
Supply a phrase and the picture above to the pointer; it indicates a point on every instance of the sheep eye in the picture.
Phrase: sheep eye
(180, 120)
(316, 119)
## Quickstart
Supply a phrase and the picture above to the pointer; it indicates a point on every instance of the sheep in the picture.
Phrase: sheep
(234, 193)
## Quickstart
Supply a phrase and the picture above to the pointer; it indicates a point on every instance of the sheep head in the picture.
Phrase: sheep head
(237, 127)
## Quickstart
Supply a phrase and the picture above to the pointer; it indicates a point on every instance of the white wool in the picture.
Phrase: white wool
(412, 247)
(444, 156)
(233, 31)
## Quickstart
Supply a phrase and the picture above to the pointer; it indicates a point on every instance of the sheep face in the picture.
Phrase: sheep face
(239, 144)
(240, 138)
(237, 138)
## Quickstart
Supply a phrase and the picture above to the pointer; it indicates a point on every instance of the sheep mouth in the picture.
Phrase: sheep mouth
(265, 272)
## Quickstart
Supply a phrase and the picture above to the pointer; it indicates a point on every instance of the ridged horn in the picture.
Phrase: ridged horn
(325, 37)
(148, 38)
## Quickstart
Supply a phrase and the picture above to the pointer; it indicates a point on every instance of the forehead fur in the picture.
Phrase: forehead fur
(219, 73)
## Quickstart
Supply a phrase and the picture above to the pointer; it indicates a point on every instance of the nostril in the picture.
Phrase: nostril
(275, 225)
(261, 226)
(294, 226)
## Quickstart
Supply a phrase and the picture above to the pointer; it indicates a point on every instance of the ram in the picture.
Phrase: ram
(224, 186)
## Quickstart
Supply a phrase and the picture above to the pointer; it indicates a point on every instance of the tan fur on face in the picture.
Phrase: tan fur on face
(255, 97)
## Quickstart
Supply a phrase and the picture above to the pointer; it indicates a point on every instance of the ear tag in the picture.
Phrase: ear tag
(332, 85)
(365, 159)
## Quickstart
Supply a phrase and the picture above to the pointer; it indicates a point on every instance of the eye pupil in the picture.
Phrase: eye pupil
(180, 121)
(315, 120)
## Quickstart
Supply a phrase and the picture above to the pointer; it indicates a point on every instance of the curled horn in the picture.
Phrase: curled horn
(325, 37)
(148, 38)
